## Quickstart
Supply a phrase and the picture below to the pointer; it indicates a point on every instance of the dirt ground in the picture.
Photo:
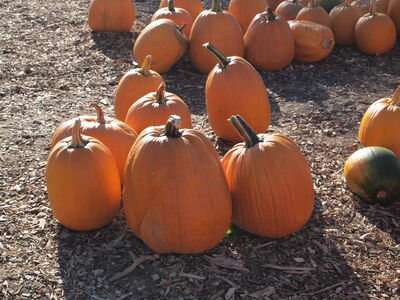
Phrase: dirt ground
(53, 67)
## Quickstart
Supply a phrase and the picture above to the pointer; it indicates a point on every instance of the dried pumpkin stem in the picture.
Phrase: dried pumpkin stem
(160, 95)
(396, 97)
(216, 6)
(77, 141)
(245, 131)
(99, 112)
(171, 6)
(172, 127)
(222, 59)
(145, 67)
(180, 28)
(270, 16)
(372, 8)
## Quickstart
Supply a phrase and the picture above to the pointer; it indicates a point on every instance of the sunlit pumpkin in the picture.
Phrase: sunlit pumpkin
(245, 10)
(314, 13)
(194, 7)
(288, 9)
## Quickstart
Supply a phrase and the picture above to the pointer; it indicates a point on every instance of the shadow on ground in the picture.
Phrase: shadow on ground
(115, 45)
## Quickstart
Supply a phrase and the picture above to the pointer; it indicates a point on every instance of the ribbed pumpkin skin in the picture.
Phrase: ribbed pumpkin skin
(344, 18)
(380, 125)
(177, 199)
(271, 186)
(180, 16)
(313, 41)
(394, 12)
(245, 10)
(269, 45)
(83, 185)
(288, 9)
(315, 14)
(194, 7)
(163, 41)
(373, 173)
(111, 15)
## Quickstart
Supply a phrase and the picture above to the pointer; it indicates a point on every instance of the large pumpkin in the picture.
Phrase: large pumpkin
(117, 136)
(164, 41)
(194, 7)
(394, 12)
(176, 198)
(245, 10)
(380, 125)
(217, 27)
(133, 85)
(314, 13)
(313, 41)
(154, 109)
(234, 87)
(270, 181)
(269, 42)
(373, 173)
(288, 9)
(82, 181)
(111, 15)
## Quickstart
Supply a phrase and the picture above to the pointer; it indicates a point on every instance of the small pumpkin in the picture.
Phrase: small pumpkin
(233, 87)
(194, 7)
(373, 173)
(380, 124)
(314, 13)
(154, 109)
(288, 9)
(270, 182)
(394, 12)
(179, 15)
(117, 136)
(217, 27)
(176, 198)
(82, 182)
(245, 10)
(164, 41)
(269, 42)
(375, 33)
(133, 85)
(111, 15)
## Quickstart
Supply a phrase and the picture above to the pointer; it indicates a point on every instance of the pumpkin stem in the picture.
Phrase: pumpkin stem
(171, 6)
(160, 97)
(77, 141)
(270, 16)
(396, 97)
(245, 131)
(312, 4)
(180, 28)
(145, 68)
(372, 8)
(99, 112)
(172, 127)
(221, 58)
(216, 6)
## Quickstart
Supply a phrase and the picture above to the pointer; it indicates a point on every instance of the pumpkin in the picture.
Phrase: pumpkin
(111, 15)
(194, 7)
(380, 124)
(164, 41)
(375, 33)
(154, 109)
(217, 27)
(373, 173)
(288, 9)
(315, 14)
(179, 15)
(313, 41)
(117, 136)
(245, 10)
(269, 42)
(344, 18)
(133, 85)
(233, 87)
(273, 4)
(394, 12)
(82, 182)
(176, 198)
(270, 182)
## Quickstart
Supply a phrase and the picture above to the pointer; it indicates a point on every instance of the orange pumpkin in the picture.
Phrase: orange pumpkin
(245, 10)
(315, 14)
(164, 41)
(375, 33)
(217, 27)
(313, 41)
(133, 85)
(269, 42)
(270, 182)
(288, 9)
(233, 87)
(380, 124)
(176, 198)
(194, 7)
(394, 12)
(82, 181)
(117, 136)
(179, 15)
(154, 109)
(111, 15)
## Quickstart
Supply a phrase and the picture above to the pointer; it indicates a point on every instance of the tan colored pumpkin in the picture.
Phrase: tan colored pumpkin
(82, 182)
(233, 87)
(217, 27)
(269, 42)
(133, 85)
(111, 15)
(154, 109)
(394, 12)
(288, 9)
(315, 14)
(164, 41)
(245, 10)
(176, 198)
(194, 7)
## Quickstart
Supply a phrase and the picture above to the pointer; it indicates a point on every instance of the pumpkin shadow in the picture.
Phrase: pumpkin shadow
(115, 45)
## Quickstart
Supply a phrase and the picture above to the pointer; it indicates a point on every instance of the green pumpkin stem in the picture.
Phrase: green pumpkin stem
(77, 140)
(270, 16)
(99, 112)
(216, 6)
(160, 94)
(145, 67)
(245, 131)
(171, 6)
(221, 58)
(172, 127)
(372, 8)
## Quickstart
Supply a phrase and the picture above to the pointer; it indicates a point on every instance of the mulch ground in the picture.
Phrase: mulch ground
(53, 67)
